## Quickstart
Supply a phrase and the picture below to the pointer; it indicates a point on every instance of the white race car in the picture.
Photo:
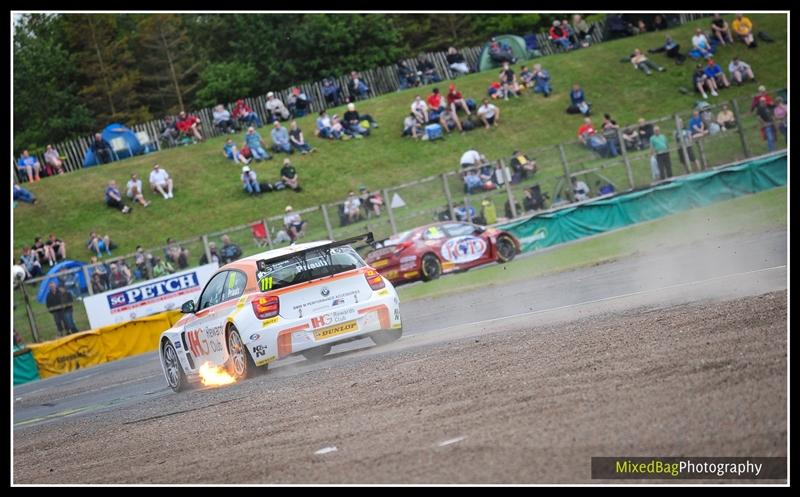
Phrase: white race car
(300, 299)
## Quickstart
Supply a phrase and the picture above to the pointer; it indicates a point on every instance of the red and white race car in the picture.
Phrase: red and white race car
(300, 299)
(429, 251)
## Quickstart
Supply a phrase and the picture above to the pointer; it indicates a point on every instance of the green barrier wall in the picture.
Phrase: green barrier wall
(689, 192)
(25, 369)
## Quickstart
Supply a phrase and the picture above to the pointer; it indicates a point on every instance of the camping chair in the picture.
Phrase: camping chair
(118, 145)
(260, 235)
(146, 142)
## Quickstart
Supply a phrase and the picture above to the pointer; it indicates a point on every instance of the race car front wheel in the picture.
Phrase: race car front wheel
(431, 267)
(175, 375)
(239, 363)
(506, 250)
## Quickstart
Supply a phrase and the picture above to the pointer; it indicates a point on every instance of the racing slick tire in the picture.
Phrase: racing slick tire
(317, 353)
(240, 365)
(506, 250)
(176, 378)
(386, 337)
(430, 267)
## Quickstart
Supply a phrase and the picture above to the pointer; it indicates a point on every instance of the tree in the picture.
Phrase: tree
(225, 82)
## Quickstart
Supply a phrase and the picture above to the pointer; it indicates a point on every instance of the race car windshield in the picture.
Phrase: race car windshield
(311, 265)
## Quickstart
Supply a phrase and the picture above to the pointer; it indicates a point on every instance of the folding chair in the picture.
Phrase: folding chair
(145, 141)
(118, 145)
(260, 235)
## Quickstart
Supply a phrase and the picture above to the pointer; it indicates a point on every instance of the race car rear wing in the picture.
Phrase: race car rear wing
(367, 238)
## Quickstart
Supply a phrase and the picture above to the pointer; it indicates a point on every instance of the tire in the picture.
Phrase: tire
(506, 249)
(386, 337)
(430, 267)
(240, 364)
(176, 378)
(317, 353)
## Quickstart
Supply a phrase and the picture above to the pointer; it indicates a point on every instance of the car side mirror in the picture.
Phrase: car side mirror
(188, 307)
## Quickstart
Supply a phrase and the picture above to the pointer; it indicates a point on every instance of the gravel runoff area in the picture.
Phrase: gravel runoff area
(524, 402)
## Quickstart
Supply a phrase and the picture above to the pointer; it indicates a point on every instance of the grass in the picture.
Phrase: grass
(208, 196)
(750, 214)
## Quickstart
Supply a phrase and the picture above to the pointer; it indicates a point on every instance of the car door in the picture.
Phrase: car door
(205, 336)
(465, 246)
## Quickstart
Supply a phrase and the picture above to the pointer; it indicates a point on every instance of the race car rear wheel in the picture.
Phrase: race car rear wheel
(316, 353)
(506, 250)
(176, 378)
(386, 337)
(431, 267)
(240, 365)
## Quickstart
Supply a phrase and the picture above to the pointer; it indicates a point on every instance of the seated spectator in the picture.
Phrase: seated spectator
(23, 195)
(740, 71)
(29, 165)
(457, 62)
(338, 128)
(189, 126)
(294, 224)
(407, 76)
(43, 252)
(696, 126)
(280, 139)
(720, 30)
(299, 102)
(212, 250)
(660, 150)
(559, 36)
(743, 27)
(229, 251)
(116, 277)
(578, 103)
(472, 182)
(580, 190)
(161, 182)
(489, 114)
(250, 181)
(256, 145)
(501, 52)
(420, 110)
(630, 136)
(289, 176)
(449, 121)
(701, 47)
(352, 207)
(583, 32)
(140, 259)
(354, 122)
(331, 92)
(640, 62)
(277, 110)
(780, 112)
(298, 141)
(464, 213)
(162, 267)
(31, 263)
(671, 49)
(660, 23)
(245, 115)
(230, 151)
(762, 92)
(134, 190)
(567, 29)
(495, 90)
(372, 202)
(223, 120)
(533, 200)
(541, 80)
(700, 81)
(114, 198)
(435, 103)
(595, 142)
(428, 70)
(57, 247)
(325, 127)
(101, 149)
(725, 118)
(521, 166)
(176, 254)
(53, 161)
(358, 89)
(525, 77)
(715, 72)
(618, 27)
(98, 244)
(509, 81)
(411, 126)
(455, 100)
(169, 131)
(99, 285)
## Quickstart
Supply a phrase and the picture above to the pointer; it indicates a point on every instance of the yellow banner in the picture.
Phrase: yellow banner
(100, 345)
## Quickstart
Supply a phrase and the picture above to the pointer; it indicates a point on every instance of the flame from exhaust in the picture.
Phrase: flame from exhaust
(215, 376)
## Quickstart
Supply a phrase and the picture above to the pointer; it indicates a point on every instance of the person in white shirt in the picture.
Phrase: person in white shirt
(160, 181)
(352, 207)
(134, 188)
(295, 226)
(411, 126)
(580, 190)
(740, 71)
(471, 158)
(701, 44)
(420, 109)
(276, 107)
(489, 114)
(250, 181)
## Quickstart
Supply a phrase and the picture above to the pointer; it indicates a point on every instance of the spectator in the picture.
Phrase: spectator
(255, 144)
(715, 72)
(140, 263)
(604, 189)
(250, 181)
(578, 105)
(162, 267)
(134, 190)
(743, 27)
(358, 89)
(189, 126)
(525, 77)
(660, 149)
(29, 165)
(277, 110)
(495, 90)
(325, 127)
(588, 136)
(245, 115)
(280, 139)
(465, 213)
(762, 92)
(725, 118)
(411, 126)
(406, 75)
(611, 133)
(489, 114)
(352, 208)
(780, 112)
(644, 130)
(435, 103)
(298, 141)
(700, 81)
(559, 37)
(98, 244)
(289, 176)
(161, 182)
(740, 71)
(688, 144)
(720, 30)
(372, 201)
(57, 248)
(567, 29)
(354, 122)
(501, 52)
(99, 284)
(58, 301)
(23, 195)
(223, 120)
(53, 161)
(659, 24)
(471, 158)
(583, 32)
(230, 151)
(229, 251)
(428, 70)
(541, 80)
(212, 249)
(509, 81)
(449, 121)
(420, 110)
(472, 182)
(580, 190)
(701, 47)
(331, 92)
(640, 61)
(114, 198)
(295, 226)
(455, 100)
(30, 262)
(618, 27)
(169, 131)
(697, 127)
(299, 102)
(41, 251)
(338, 128)
(521, 166)
(176, 254)
(672, 50)
(116, 278)
(533, 200)
(457, 62)
(766, 119)
(101, 149)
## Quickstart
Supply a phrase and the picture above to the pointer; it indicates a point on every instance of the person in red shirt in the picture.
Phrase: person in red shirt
(456, 99)
(586, 130)
(189, 125)
(762, 92)
(435, 101)
(244, 114)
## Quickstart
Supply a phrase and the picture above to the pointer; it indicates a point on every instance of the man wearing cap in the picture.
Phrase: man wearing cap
(455, 100)
(161, 182)
(276, 108)
(249, 181)
(295, 226)
(280, 139)
(558, 36)
(289, 175)
(762, 92)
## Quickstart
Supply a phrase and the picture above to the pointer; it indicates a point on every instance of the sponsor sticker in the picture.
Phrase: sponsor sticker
(380, 263)
(269, 321)
(333, 331)
(177, 344)
(383, 292)
(410, 274)
(333, 317)
(153, 291)
(254, 337)
(261, 362)
(463, 249)
(260, 351)
(265, 284)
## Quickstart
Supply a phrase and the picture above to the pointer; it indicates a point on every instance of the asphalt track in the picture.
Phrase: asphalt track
(133, 391)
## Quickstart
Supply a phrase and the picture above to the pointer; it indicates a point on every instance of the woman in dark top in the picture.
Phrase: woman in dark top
(114, 198)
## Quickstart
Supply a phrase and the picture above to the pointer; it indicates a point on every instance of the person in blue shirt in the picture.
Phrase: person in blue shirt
(578, 105)
(696, 125)
(114, 198)
(23, 195)
(472, 183)
(254, 142)
(541, 79)
(280, 139)
(29, 165)
(716, 73)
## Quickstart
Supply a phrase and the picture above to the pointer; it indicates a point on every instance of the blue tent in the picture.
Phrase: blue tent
(41, 297)
(117, 133)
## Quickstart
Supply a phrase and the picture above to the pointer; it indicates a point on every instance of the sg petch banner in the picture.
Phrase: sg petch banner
(147, 297)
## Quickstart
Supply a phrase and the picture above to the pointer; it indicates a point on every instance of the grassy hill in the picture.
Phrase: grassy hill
(208, 195)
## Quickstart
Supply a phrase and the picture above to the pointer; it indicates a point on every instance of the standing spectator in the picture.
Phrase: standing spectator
(298, 141)
(489, 114)
(689, 145)
(230, 151)
(23, 195)
(101, 149)
(250, 181)
(455, 100)
(169, 131)
(352, 207)
(509, 81)
(580, 190)
(411, 126)
(53, 161)
(276, 108)
(700, 81)
(53, 302)
(743, 27)
(640, 61)
(672, 50)
(161, 182)
(541, 80)
(781, 113)
(578, 103)
(611, 133)
(406, 75)
(57, 247)
(457, 62)
(223, 120)
(720, 30)
(660, 149)
(229, 251)
(766, 119)
(428, 70)
(289, 176)
(583, 32)
(701, 47)
(358, 89)
(134, 190)
(697, 127)
(559, 37)
(29, 165)
(325, 127)
(30, 262)
(331, 92)
(725, 118)
(280, 139)
(294, 224)
(660, 23)
(98, 244)
(420, 110)
(762, 92)
(245, 115)
(255, 143)
(189, 125)
(114, 198)
(716, 73)
(740, 71)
